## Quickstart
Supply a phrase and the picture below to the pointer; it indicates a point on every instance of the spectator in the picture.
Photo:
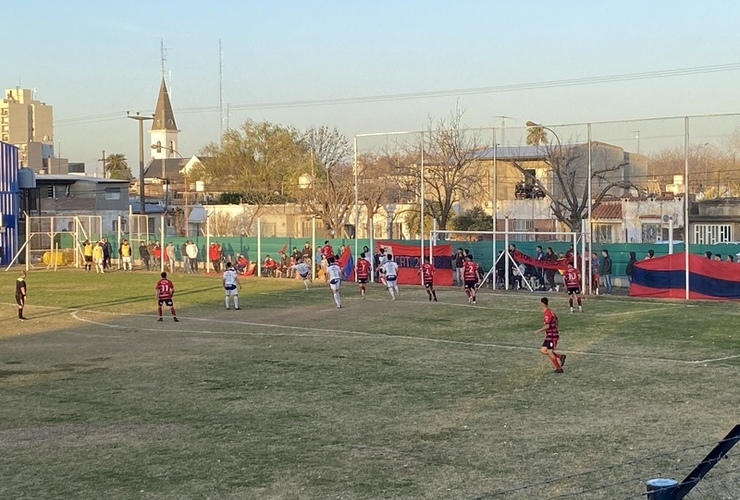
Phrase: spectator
(144, 255)
(551, 258)
(150, 247)
(606, 271)
(327, 251)
(730, 258)
(650, 254)
(185, 258)
(169, 256)
(192, 251)
(214, 255)
(107, 251)
(708, 254)
(269, 267)
(157, 254)
(241, 263)
(282, 267)
(717, 257)
(296, 254)
(595, 267)
(307, 253)
(457, 263)
(630, 266)
(539, 270)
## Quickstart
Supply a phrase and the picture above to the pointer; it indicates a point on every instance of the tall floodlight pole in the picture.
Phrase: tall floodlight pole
(421, 192)
(141, 120)
(494, 187)
(686, 203)
(357, 199)
(590, 202)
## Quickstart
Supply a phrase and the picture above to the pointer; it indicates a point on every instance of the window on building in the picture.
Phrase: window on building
(520, 226)
(709, 234)
(112, 193)
(651, 233)
(603, 233)
(269, 229)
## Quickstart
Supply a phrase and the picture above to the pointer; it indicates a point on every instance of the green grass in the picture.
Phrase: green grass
(292, 398)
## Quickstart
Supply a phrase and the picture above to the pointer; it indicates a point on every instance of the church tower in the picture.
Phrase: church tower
(164, 129)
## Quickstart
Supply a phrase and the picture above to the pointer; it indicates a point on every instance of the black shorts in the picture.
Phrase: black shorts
(550, 343)
(167, 302)
(20, 299)
(428, 284)
(574, 290)
(470, 284)
(88, 258)
(362, 281)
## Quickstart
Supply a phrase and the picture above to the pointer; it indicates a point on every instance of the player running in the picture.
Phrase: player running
(389, 271)
(20, 294)
(552, 335)
(572, 278)
(427, 271)
(334, 275)
(470, 278)
(232, 286)
(165, 290)
(304, 271)
(362, 269)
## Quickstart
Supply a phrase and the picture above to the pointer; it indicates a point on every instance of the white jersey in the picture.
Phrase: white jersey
(390, 269)
(230, 279)
(302, 268)
(335, 273)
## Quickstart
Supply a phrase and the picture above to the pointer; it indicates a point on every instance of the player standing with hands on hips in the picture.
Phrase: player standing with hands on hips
(165, 290)
(572, 280)
(552, 335)
(231, 286)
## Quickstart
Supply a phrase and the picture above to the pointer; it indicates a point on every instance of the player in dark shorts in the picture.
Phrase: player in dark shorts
(470, 278)
(362, 269)
(20, 294)
(572, 278)
(165, 290)
(427, 271)
(552, 335)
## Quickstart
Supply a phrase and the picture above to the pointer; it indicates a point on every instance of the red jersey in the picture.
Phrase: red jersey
(363, 269)
(427, 272)
(551, 320)
(572, 278)
(165, 289)
(327, 251)
(470, 271)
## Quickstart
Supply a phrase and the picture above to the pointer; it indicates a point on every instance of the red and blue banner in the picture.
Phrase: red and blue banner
(408, 258)
(347, 263)
(665, 277)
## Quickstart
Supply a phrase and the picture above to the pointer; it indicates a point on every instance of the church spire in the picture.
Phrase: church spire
(164, 118)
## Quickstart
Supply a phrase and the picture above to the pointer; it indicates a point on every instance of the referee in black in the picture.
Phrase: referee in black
(20, 294)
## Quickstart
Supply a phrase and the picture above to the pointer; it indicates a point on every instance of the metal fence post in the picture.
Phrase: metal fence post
(661, 489)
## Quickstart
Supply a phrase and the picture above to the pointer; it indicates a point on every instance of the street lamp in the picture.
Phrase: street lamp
(172, 150)
(141, 120)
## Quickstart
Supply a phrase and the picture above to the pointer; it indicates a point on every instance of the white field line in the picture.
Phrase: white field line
(318, 332)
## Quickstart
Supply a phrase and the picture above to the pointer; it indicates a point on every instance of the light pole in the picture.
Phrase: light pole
(141, 120)
(166, 182)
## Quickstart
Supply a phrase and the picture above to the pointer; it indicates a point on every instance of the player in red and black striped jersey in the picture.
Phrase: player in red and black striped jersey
(572, 278)
(470, 278)
(362, 268)
(165, 290)
(552, 335)
(427, 271)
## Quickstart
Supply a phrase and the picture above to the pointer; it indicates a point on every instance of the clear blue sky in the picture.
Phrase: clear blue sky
(100, 59)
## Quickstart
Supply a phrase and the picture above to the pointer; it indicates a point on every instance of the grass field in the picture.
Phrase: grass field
(293, 398)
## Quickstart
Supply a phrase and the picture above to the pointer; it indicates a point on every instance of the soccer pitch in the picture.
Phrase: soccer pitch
(293, 398)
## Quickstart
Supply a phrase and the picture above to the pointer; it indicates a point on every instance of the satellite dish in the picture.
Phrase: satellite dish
(667, 218)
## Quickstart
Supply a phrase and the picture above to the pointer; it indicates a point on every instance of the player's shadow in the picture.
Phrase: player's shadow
(133, 300)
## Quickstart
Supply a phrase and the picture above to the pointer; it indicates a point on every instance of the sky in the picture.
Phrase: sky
(94, 61)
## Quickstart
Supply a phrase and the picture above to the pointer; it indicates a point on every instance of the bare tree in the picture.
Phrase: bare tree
(568, 192)
(374, 171)
(450, 170)
(330, 195)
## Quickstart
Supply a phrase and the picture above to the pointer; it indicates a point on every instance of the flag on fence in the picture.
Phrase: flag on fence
(347, 263)
(283, 248)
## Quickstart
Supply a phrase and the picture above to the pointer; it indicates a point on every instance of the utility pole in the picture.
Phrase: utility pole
(141, 120)
(102, 160)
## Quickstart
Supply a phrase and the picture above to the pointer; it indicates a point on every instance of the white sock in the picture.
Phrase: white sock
(305, 283)
(226, 301)
(236, 302)
(337, 299)
(393, 292)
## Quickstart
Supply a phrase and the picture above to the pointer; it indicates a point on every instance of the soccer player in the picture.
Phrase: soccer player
(334, 274)
(87, 252)
(97, 255)
(327, 250)
(20, 294)
(552, 335)
(165, 290)
(125, 251)
(470, 278)
(427, 271)
(231, 286)
(363, 272)
(389, 271)
(304, 271)
(572, 278)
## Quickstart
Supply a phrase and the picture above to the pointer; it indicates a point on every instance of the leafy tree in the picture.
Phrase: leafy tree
(474, 219)
(116, 167)
(536, 136)
(260, 160)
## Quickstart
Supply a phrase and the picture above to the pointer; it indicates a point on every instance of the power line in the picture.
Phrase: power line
(569, 82)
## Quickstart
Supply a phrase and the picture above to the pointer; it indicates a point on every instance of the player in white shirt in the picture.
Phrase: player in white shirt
(304, 271)
(334, 275)
(231, 285)
(389, 270)
(381, 261)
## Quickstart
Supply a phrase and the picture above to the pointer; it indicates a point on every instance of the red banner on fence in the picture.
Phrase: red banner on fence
(558, 265)
(408, 258)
